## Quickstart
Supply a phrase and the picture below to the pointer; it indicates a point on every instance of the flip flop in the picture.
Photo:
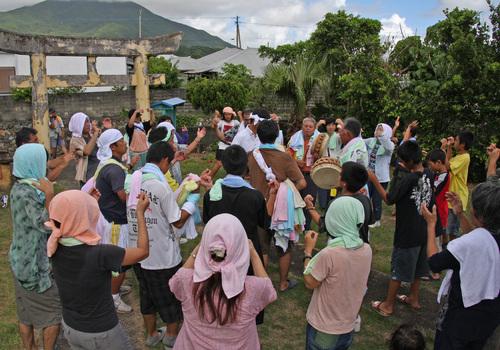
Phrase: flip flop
(376, 306)
(405, 300)
(291, 284)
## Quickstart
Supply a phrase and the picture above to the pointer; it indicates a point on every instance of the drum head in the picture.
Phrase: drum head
(319, 145)
(326, 176)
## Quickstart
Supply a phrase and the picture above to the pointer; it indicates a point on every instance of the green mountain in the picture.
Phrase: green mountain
(105, 19)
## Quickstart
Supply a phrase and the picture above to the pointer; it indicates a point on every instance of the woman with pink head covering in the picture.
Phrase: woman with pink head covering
(82, 270)
(219, 301)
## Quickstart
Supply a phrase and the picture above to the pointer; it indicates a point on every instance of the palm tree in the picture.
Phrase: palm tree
(295, 80)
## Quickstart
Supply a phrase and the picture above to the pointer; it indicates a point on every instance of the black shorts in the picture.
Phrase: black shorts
(155, 293)
(125, 268)
(218, 153)
(408, 264)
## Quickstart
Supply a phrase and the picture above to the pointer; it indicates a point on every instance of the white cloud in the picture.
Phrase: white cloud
(395, 28)
(262, 22)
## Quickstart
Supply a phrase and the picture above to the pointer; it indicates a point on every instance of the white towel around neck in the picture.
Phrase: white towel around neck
(479, 258)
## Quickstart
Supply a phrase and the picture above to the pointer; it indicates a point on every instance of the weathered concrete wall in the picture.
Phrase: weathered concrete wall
(14, 115)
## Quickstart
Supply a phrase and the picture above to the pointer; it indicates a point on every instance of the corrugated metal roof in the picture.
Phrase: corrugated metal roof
(171, 102)
(214, 62)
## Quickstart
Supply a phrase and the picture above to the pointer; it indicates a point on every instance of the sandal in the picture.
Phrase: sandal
(376, 306)
(405, 299)
(291, 284)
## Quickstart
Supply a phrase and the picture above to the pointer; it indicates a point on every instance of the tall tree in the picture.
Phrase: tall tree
(454, 83)
(295, 80)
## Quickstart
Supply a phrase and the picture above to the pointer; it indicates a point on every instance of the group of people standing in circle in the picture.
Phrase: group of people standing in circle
(70, 251)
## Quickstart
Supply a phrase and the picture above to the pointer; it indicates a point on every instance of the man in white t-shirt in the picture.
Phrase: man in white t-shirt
(247, 137)
(162, 219)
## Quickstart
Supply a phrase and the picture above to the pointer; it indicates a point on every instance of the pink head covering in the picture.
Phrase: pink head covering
(228, 110)
(78, 213)
(224, 233)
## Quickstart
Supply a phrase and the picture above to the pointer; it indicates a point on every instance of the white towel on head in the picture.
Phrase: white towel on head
(256, 118)
(106, 139)
(76, 124)
(170, 127)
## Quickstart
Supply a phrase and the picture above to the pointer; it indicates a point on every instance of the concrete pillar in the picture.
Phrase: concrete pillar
(142, 85)
(40, 98)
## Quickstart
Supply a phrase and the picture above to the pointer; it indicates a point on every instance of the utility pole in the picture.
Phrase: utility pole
(238, 36)
(140, 23)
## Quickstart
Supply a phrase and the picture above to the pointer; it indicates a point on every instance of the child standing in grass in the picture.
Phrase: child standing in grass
(409, 190)
(437, 163)
(459, 170)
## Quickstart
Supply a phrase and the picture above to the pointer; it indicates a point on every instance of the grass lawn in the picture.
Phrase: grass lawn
(284, 326)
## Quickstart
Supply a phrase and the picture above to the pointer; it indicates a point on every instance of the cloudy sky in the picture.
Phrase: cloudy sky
(276, 22)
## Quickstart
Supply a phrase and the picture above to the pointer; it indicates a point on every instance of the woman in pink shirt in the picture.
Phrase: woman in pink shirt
(219, 301)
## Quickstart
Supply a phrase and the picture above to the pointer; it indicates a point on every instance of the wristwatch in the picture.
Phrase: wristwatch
(306, 257)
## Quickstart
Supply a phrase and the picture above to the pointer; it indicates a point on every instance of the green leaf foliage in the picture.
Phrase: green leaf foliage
(159, 65)
(453, 83)
(231, 88)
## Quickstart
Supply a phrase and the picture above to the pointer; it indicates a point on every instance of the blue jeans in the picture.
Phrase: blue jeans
(323, 198)
(316, 340)
(376, 199)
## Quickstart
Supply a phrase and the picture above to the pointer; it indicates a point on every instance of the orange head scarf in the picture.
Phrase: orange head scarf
(78, 213)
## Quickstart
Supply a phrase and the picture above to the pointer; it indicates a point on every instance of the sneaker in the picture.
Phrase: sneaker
(153, 341)
(183, 240)
(375, 224)
(121, 306)
(124, 290)
(168, 342)
(4, 200)
(357, 324)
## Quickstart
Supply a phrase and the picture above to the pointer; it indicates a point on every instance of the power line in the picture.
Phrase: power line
(274, 25)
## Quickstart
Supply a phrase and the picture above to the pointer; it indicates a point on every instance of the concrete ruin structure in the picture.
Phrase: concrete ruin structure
(38, 47)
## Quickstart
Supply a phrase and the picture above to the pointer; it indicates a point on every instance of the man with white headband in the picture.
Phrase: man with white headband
(247, 138)
(110, 181)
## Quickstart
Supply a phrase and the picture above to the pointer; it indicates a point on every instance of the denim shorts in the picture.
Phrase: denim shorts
(115, 338)
(453, 228)
(408, 264)
(316, 340)
(56, 141)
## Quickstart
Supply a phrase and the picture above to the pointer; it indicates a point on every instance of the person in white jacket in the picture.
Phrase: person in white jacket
(380, 148)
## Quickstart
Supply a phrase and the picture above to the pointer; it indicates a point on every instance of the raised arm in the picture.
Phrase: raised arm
(62, 163)
(89, 147)
(407, 133)
(493, 155)
(431, 219)
(456, 204)
(131, 121)
(134, 255)
(200, 134)
(396, 126)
